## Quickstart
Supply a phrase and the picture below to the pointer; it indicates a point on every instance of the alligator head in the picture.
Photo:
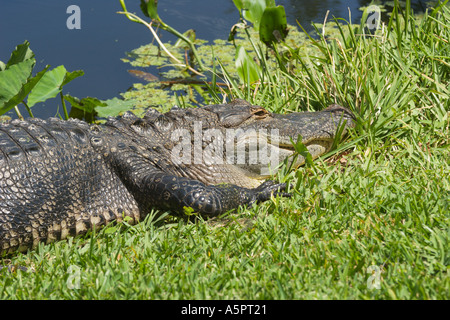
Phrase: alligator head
(236, 143)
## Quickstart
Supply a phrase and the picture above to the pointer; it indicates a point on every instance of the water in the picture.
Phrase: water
(105, 36)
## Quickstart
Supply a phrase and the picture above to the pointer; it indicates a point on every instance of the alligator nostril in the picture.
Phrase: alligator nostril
(96, 141)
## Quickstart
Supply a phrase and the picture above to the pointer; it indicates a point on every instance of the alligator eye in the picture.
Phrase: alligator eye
(260, 113)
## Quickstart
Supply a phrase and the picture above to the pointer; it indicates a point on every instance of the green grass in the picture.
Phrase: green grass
(382, 199)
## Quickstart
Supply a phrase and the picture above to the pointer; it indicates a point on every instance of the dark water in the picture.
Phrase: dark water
(105, 36)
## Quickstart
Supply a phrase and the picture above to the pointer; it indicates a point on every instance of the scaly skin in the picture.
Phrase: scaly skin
(63, 178)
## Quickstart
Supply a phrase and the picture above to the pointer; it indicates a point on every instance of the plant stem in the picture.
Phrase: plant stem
(28, 109)
(164, 26)
(66, 114)
(149, 26)
(168, 28)
(19, 115)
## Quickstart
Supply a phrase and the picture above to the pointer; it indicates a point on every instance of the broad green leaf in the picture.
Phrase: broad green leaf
(238, 4)
(11, 82)
(48, 87)
(2, 66)
(114, 107)
(87, 104)
(20, 54)
(72, 75)
(25, 90)
(150, 9)
(273, 26)
(247, 69)
(254, 9)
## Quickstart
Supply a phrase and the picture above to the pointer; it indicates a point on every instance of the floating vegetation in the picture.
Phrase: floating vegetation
(170, 81)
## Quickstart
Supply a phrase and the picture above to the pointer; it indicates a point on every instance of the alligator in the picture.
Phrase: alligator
(63, 178)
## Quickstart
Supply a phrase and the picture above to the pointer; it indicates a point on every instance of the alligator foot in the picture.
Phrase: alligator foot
(269, 188)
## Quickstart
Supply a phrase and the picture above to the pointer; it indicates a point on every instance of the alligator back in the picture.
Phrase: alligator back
(53, 183)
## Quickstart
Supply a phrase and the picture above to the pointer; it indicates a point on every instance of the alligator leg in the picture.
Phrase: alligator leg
(179, 193)
(153, 187)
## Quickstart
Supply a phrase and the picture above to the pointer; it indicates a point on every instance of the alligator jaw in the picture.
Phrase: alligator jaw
(317, 130)
(286, 154)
